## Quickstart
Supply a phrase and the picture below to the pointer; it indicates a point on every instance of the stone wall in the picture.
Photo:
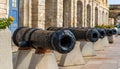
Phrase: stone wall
(4, 8)
(66, 13)
(25, 13)
(111, 21)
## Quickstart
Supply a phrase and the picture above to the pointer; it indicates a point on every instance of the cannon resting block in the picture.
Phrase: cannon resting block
(57, 55)
(73, 58)
(98, 46)
(105, 41)
(43, 61)
(87, 49)
(23, 59)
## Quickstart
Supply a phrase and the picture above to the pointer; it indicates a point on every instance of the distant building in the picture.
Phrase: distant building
(46, 13)
(115, 13)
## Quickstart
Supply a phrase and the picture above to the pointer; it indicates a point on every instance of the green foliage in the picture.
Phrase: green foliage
(5, 22)
(105, 26)
(100, 26)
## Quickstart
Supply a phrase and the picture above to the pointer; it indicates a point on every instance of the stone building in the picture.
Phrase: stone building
(115, 13)
(4, 8)
(67, 13)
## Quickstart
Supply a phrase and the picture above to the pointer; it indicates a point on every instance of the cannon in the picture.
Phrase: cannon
(109, 32)
(62, 40)
(114, 31)
(81, 34)
(102, 32)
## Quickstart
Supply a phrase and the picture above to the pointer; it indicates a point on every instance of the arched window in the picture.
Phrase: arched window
(103, 18)
(96, 16)
(88, 15)
(79, 13)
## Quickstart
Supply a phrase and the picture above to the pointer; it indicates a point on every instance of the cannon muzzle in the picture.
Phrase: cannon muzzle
(109, 32)
(62, 40)
(101, 32)
(114, 31)
(81, 34)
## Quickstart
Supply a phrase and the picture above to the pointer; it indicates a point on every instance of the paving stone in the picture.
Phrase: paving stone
(107, 59)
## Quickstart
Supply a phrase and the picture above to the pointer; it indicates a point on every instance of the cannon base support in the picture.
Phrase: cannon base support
(23, 58)
(5, 49)
(73, 58)
(111, 39)
(98, 46)
(43, 60)
(87, 49)
(114, 37)
(72, 67)
(105, 41)
(57, 56)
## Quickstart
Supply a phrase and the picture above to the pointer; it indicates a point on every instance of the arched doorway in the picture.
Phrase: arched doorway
(96, 16)
(66, 13)
(79, 13)
(88, 15)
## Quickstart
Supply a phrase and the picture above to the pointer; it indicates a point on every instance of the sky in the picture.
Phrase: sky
(114, 1)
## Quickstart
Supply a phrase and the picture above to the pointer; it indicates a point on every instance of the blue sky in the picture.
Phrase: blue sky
(114, 1)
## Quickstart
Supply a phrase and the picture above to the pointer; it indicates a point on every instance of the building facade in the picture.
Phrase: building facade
(60, 13)
(4, 4)
(115, 13)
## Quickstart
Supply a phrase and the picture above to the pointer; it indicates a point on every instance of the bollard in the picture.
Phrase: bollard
(43, 41)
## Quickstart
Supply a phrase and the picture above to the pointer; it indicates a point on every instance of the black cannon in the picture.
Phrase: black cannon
(62, 41)
(114, 31)
(81, 34)
(102, 32)
(109, 32)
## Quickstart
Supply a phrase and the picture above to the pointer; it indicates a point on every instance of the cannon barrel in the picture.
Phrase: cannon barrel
(114, 31)
(62, 41)
(81, 34)
(109, 32)
(102, 32)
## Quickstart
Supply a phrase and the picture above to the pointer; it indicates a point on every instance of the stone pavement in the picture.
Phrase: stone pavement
(107, 59)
